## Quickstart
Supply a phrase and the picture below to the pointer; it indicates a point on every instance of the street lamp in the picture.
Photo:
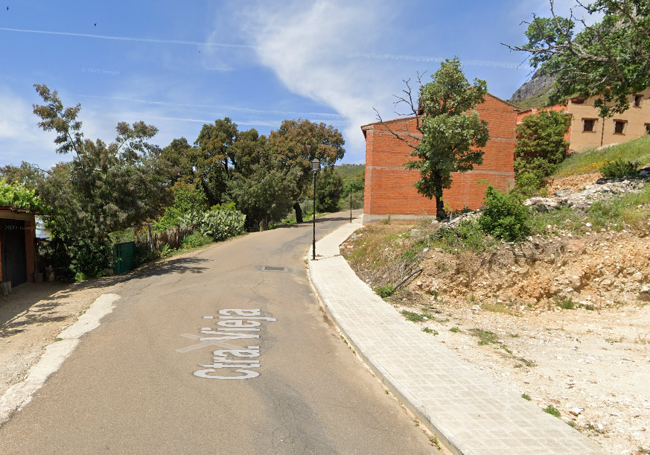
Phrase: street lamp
(351, 181)
(315, 167)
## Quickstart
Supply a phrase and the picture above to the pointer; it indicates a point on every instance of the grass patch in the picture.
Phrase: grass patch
(550, 409)
(454, 330)
(413, 317)
(592, 160)
(485, 336)
(385, 291)
(526, 397)
(566, 304)
(428, 330)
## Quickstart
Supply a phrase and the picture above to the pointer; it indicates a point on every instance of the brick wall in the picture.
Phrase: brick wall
(389, 186)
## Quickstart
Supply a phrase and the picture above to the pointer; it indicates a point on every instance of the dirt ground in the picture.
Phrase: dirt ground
(33, 316)
(564, 321)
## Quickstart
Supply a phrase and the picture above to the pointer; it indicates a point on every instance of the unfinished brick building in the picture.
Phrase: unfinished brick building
(389, 187)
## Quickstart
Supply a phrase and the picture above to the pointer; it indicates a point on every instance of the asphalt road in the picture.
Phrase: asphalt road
(144, 382)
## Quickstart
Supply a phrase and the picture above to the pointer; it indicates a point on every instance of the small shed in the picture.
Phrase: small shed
(17, 245)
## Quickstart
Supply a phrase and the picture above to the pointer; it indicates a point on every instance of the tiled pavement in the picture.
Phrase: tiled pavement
(466, 408)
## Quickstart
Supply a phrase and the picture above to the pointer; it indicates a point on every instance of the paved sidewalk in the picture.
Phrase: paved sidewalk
(467, 409)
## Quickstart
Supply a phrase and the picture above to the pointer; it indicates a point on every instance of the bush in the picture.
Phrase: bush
(187, 199)
(222, 224)
(619, 169)
(505, 217)
(195, 240)
(467, 235)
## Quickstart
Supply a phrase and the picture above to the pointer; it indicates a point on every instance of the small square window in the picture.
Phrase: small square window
(637, 100)
(588, 125)
(619, 126)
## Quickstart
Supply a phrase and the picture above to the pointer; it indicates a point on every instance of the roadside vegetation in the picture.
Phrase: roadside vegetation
(165, 199)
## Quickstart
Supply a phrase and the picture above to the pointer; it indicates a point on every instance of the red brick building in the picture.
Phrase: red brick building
(389, 187)
(17, 245)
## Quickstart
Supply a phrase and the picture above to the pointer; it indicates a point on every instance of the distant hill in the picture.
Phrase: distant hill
(356, 171)
(533, 93)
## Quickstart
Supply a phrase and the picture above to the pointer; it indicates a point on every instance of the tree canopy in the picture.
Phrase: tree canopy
(609, 59)
(297, 142)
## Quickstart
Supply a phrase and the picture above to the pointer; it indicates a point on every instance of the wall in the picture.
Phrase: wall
(389, 186)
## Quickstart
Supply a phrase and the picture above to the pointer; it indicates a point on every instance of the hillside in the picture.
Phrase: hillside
(533, 93)
(562, 318)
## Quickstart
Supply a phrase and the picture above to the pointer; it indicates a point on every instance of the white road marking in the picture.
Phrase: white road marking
(19, 395)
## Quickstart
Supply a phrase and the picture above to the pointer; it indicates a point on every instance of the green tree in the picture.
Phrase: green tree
(329, 189)
(296, 143)
(105, 188)
(263, 189)
(26, 175)
(609, 59)
(540, 148)
(215, 161)
(452, 134)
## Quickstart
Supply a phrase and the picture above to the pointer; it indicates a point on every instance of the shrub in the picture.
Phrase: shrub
(195, 240)
(619, 169)
(505, 217)
(222, 224)
(385, 291)
(187, 199)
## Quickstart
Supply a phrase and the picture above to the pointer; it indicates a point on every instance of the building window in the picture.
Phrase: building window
(589, 125)
(619, 126)
(637, 100)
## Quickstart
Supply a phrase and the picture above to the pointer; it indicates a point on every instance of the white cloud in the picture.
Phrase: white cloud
(309, 47)
(20, 137)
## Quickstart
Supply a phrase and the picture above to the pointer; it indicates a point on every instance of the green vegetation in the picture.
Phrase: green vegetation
(413, 317)
(540, 148)
(565, 303)
(428, 330)
(619, 169)
(550, 409)
(20, 197)
(485, 336)
(609, 58)
(592, 161)
(385, 291)
(526, 397)
(454, 330)
(505, 217)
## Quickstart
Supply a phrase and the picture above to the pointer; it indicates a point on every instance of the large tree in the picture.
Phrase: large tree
(609, 59)
(105, 188)
(451, 132)
(296, 143)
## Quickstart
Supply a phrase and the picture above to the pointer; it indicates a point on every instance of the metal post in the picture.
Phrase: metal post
(351, 180)
(313, 248)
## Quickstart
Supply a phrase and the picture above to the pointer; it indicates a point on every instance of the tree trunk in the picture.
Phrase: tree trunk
(440, 209)
(298, 210)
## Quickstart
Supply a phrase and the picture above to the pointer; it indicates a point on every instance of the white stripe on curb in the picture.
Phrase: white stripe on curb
(19, 395)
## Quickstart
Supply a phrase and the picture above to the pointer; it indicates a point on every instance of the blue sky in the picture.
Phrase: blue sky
(178, 65)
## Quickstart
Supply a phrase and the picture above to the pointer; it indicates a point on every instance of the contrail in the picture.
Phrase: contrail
(367, 55)
(126, 38)
(418, 58)
(207, 106)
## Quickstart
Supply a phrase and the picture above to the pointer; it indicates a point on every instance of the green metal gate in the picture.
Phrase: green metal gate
(123, 254)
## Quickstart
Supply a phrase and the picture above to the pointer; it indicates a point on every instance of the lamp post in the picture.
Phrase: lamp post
(315, 167)
(351, 181)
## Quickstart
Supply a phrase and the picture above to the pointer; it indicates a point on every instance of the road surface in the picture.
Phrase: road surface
(152, 378)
